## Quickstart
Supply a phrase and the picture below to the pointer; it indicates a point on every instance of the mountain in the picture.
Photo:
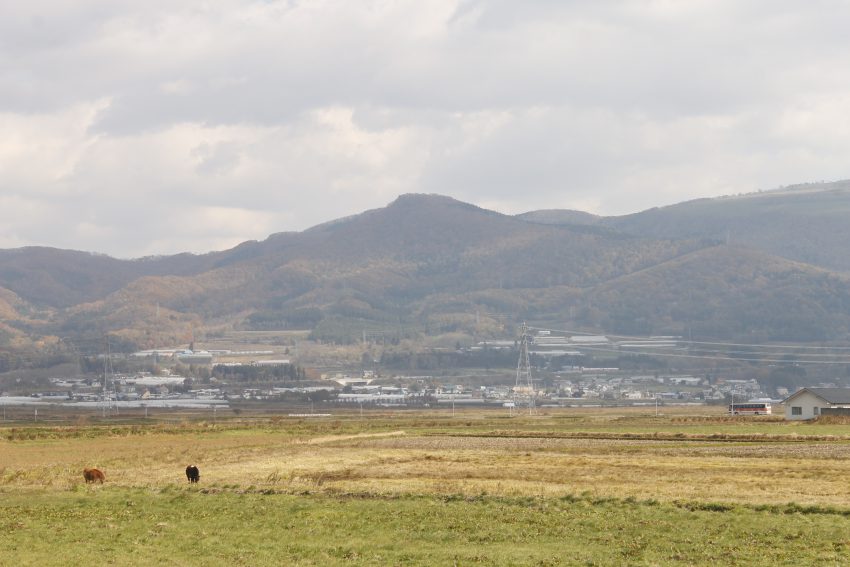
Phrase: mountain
(379, 267)
(428, 264)
(728, 292)
(807, 223)
(62, 278)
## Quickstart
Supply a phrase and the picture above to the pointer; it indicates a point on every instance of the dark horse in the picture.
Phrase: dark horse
(193, 474)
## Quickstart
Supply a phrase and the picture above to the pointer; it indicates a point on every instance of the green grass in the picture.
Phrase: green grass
(189, 527)
(413, 488)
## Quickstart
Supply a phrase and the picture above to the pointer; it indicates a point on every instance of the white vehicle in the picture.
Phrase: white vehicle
(750, 408)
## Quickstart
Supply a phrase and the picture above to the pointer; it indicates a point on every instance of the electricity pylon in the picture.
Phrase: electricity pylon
(524, 388)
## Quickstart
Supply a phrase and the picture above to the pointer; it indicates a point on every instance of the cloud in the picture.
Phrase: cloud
(148, 128)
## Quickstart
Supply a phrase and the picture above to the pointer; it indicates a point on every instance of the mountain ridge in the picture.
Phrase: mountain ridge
(430, 262)
(806, 222)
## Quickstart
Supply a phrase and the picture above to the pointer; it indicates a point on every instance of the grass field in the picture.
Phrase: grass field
(570, 487)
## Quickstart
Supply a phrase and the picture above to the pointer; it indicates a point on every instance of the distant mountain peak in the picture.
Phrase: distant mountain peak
(432, 200)
(405, 203)
(416, 198)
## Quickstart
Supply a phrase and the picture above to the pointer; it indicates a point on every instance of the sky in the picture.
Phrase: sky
(147, 128)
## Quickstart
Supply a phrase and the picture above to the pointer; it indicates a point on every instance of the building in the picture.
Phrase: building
(808, 403)
(194, 357)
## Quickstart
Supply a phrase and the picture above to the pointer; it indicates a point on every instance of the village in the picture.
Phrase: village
(225, 379)
(575, 387)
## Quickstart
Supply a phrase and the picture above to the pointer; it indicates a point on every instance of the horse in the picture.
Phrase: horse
(193, 474)
(93, 475)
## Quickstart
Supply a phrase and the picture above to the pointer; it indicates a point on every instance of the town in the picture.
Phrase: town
(223, 378)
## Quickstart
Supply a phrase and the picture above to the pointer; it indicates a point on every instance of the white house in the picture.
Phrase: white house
(807, 403)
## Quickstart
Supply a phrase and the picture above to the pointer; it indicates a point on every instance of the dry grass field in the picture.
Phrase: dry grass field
(613, 454)
(645, 470)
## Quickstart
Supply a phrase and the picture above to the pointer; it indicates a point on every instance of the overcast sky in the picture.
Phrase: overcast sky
(138, 128)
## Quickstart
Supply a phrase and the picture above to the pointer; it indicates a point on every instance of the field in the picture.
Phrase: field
(565, 487)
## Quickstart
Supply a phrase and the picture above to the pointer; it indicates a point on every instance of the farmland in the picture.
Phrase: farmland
(585, 487)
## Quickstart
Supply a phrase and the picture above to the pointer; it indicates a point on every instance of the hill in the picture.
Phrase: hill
(728, 292)
(388, 267)
(62, 278)
(807, 223)
(429, 265)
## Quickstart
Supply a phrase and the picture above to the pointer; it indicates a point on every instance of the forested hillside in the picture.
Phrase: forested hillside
(807, 223)
(429, 265)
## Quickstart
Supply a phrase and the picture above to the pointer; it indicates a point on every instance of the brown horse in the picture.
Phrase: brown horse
(93, 475)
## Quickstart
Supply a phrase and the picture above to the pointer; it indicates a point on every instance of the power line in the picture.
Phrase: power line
(707, 357)
(645, 338)
(754, 350)
(788, 354)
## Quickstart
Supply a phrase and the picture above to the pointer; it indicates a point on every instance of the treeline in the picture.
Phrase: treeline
(256, 373)
(446, 359)
(11, 360)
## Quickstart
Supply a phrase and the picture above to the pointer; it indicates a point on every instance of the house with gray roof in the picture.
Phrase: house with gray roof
(809, 403)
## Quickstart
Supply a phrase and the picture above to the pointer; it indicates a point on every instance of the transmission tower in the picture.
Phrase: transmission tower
(107, 376)
(524, 388)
